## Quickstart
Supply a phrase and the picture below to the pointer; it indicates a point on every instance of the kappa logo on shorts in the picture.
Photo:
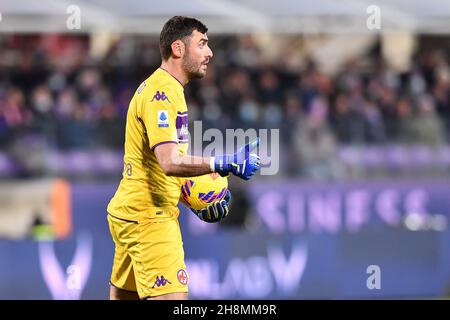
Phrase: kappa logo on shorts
(182, 277)
(161, 282)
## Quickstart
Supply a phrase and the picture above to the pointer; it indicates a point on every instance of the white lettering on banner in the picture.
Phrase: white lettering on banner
(351, 210)
(234, 277)
(296, 213)
(325, 212)
(73, 281)
(357, 208)
(253, 277)
(270, 210)
(387, 204)
(206, 275)
(70, 286)
(258, 283)
(288, 272)
(415, 202)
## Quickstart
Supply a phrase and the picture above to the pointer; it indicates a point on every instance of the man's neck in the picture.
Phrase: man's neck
(175, 71)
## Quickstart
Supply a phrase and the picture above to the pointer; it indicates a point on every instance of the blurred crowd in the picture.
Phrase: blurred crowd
(56, 94)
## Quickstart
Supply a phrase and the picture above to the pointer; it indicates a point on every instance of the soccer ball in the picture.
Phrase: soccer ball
(199, 192)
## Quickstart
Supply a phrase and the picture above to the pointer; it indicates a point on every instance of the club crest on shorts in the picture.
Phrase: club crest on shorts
(182, 277)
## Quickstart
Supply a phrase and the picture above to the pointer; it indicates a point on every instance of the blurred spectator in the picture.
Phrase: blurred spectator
(110, 129)
(269, 87)
(406, 131)
(54, 90)
(75, 132)
(14, 116)
(373, 122)
(315, 143)
(426, 125)
(348, 123)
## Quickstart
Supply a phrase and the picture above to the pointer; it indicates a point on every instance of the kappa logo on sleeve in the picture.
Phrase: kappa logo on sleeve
(163, 118)
(160, 96)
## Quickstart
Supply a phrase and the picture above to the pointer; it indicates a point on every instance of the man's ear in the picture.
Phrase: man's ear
(178, 48)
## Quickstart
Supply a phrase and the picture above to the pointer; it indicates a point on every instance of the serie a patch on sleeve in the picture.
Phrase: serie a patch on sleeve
(163, 118)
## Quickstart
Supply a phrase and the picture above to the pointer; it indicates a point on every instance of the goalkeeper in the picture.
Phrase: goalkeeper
(143, 214)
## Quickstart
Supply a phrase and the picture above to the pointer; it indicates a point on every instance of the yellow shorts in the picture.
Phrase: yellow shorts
(149, 255)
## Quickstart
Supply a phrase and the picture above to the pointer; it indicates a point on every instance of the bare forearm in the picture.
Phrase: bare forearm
(189, 166)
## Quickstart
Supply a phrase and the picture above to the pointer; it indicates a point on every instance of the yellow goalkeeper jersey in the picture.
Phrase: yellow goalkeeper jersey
(157, 114)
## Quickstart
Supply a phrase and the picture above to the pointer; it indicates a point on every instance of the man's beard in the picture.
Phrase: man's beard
(192, 69)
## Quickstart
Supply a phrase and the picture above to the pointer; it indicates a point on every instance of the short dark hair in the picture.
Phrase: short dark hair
(177, 28)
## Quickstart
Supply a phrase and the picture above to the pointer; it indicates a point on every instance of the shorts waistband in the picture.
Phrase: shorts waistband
(154, 213)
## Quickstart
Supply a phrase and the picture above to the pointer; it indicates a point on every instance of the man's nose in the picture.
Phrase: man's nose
(210, 53)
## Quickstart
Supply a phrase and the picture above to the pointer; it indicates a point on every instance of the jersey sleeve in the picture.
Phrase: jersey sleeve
(159, 116)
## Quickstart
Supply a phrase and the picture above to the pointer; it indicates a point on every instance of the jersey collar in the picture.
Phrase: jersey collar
(172, 76)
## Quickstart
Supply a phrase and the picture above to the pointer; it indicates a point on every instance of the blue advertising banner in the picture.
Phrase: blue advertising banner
(338, 240)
